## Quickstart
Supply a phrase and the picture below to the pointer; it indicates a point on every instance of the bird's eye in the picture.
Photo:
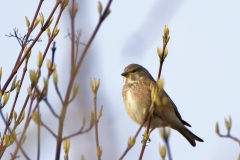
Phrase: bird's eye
(133, 71)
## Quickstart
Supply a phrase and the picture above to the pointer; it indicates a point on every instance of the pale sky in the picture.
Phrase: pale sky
(201, 73)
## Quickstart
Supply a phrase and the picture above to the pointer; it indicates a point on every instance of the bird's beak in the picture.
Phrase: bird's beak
(124, 74)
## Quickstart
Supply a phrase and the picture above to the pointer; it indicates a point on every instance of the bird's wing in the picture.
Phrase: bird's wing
(176, 110)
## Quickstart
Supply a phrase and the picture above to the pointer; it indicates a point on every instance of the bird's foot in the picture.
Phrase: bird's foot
(144, 140)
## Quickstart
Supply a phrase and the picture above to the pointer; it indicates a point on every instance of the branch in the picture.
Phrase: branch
(48, 129)
(50, 107)
(77, 133)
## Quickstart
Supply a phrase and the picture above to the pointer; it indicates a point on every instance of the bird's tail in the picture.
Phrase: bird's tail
(190, 136)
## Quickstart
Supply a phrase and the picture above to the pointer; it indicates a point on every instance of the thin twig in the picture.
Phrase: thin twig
(50, 107)
(48, 129)
(72, 15)
(161, 61)
(58, 93)
(228, 135)
(78, 133)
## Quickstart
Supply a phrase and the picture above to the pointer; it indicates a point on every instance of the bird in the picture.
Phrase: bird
(136, 95)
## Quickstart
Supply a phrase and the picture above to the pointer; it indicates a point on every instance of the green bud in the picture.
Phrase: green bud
(41, 18)
(99, 151)
(159, 52)
(27, 22)
(48, 32)
(36, 118)
(165, 53)
(100, 112)
(5, 98)
(131, 142)
(75, 90)
(39, 59)
(94, 85)
(75, 8)
(99, 7)
(14, 84)
(22, 116)
(12, 137)
(0, 73)
(29, 90)
(227, 124)
(45, 88)
(15, 116)
(55, 77)
(48, 62)
(217, 128)
(92, 117)
(5, 140)
(162, 151)
(160, 83)
(66, 146)
(64, 3)
(33, 77)
(55, 31)
(36, 23)
(166, 31)
(18, 86)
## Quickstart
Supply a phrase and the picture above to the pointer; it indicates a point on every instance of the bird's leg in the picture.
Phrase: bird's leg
(144, 141)
(148, 140)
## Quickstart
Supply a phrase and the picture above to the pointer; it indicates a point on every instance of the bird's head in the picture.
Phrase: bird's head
(135, 72)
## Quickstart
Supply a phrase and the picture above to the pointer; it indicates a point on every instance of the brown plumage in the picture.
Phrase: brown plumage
(137, 96)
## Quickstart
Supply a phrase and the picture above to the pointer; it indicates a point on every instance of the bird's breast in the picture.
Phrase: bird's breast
(137, 98)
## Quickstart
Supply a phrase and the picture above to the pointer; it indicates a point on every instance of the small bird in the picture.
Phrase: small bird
(136, 94)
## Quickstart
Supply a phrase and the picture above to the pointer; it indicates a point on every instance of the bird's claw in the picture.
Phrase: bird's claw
(147, 141)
